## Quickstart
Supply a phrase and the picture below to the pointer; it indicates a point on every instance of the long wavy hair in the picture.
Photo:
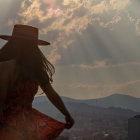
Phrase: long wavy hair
(31, 62)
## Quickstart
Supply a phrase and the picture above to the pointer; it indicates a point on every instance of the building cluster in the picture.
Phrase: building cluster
(134, 128)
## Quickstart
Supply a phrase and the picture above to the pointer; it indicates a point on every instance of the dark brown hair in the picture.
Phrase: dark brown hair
(30, 60)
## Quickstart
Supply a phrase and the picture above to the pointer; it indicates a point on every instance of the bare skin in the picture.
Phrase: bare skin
(58, 103)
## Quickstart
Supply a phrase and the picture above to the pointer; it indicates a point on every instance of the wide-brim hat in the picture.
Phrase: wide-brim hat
(25, 32)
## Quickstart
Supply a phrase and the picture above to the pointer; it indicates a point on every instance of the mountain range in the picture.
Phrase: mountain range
(114, 100)
(94, 116)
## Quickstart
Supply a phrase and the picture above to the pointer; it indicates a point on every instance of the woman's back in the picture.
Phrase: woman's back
(22, 87)
(20, 93)
(21, 120)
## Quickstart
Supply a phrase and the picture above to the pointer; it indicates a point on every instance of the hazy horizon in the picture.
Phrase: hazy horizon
(113, 94)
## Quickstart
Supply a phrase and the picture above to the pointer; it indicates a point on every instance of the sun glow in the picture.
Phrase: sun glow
(50, 2)
(53, 9)
(54, 12)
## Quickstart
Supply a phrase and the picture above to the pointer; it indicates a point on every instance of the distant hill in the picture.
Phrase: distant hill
(115, 100)
(91, 119)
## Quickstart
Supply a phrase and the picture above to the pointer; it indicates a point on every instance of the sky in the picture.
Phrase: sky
(94, 43)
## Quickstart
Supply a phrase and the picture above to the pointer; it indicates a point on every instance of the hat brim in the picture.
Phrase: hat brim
(40, 42)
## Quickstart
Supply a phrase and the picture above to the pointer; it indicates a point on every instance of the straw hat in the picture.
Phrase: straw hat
(25, 32)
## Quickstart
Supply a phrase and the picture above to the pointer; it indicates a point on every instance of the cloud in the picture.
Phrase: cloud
(100, 85)
(100, 8)
(114, 20)
(99, 90)
(32, 10)
(68, 17)
(98, 64)
(54, 56)
(118, 4)
(131, 19)
(137, 25)
(104, 64)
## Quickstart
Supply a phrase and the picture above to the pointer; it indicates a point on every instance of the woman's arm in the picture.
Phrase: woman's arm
(55, 99)
(58, 103)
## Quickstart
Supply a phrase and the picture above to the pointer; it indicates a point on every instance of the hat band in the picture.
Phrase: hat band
(24, 37)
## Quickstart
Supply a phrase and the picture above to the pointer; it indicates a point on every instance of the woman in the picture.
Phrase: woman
(19, 120)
